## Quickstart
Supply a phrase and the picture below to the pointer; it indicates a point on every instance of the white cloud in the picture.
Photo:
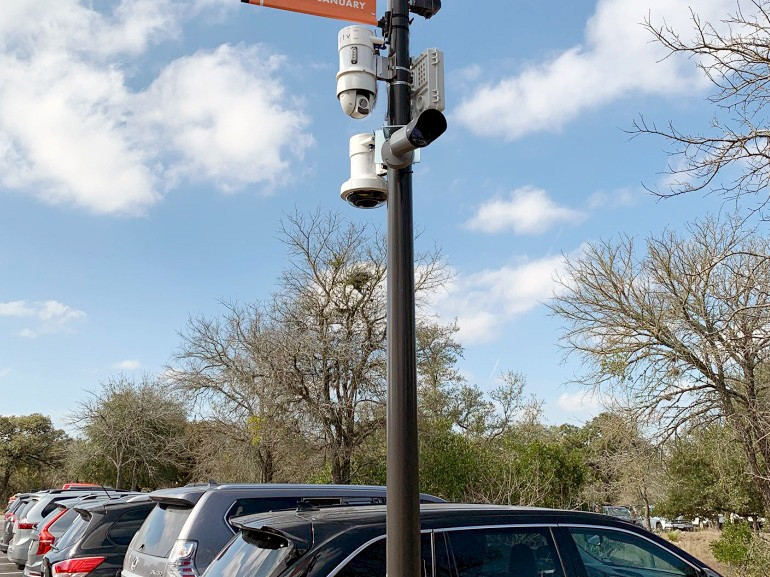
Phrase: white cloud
(224, 116)
(483, 302)
(52, 316)
(72, 130)
(527, 211)
(617, 58)
(127, 365)
(614, 199)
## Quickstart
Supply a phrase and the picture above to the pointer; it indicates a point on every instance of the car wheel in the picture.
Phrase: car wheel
(20, 566)
(658, 527)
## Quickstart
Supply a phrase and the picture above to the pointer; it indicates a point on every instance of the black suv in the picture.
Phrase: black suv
(96, 540)
(457, 541)
(189, 525)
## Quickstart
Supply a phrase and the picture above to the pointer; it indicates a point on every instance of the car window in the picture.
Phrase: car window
(261, 505)
(608, 553)
(24, 509)
(16, 505)
(502, 552)
(50, 507)
(160, 530)
(72, 534)
(61, 524)
(123, 530)
(370, 562)
(250, 554)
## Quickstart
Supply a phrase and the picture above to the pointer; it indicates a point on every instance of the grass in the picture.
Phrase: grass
(697, 543)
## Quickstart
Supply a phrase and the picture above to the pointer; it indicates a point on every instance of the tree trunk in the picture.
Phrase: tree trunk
(267, 465)
(5, 482)
(341, 469)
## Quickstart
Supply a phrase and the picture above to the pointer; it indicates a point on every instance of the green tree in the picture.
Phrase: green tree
(139, 428)
(708, 474)
(28, 444)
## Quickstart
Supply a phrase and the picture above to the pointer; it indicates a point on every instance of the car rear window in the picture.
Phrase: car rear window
(160, 530)
(73, 533)
(16, 505)
(44, 507)
(24, 509)
(250, 555)
(61, 524)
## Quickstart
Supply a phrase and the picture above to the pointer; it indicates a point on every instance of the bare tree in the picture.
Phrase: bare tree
(679, 333)
(734, 57)
(309, 365)
(329, 319)
(223, 364)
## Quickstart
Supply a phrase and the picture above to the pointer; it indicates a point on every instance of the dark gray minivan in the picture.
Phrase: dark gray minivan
(189, 525)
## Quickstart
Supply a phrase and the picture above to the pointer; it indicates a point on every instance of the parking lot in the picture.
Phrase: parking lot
(8, 568)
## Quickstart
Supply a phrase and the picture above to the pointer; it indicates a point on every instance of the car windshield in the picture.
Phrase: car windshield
(250, 554)
(617, 511)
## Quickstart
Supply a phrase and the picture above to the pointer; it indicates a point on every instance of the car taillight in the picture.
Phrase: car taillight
(45, 542)
(46, 539)
(181, 562)
(24, 524)
(77, 567)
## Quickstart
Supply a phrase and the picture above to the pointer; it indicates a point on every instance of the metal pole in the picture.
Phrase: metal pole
(403, 504)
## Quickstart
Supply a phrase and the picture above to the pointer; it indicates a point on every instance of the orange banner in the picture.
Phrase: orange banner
(363, 11)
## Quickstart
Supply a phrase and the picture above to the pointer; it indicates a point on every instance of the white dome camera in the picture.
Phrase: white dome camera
(364, 189)
(357, 77)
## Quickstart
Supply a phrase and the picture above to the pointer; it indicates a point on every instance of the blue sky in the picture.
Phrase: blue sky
(149, 148)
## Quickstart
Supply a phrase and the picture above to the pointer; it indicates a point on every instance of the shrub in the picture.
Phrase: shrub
(742, 548)
(733, 546)
(674, 535)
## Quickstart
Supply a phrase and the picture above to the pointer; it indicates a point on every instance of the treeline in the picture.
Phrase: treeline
(138, 435)
(293, 388)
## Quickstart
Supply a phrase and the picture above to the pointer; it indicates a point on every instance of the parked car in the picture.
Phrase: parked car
(96, 542)
(663, 524)
(456, 540)
(621, 512)
(17, 519)
(47, 501)
(54, 526)
(189, 525)
(6, 530)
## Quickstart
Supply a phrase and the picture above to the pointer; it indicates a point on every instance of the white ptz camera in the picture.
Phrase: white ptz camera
(364, 189)
(357, 76)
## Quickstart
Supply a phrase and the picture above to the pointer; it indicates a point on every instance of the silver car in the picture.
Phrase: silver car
(6, 530)
(18, 524)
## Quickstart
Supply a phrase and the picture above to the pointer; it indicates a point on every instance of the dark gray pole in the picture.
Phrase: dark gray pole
(403, 505)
